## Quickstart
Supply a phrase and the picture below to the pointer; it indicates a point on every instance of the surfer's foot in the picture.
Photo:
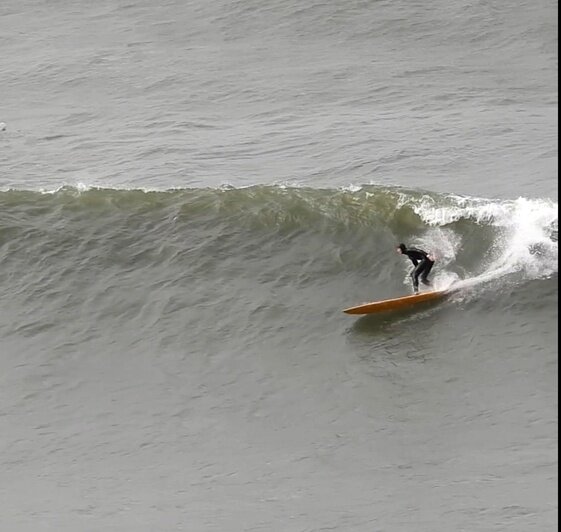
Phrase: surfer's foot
(425, 281)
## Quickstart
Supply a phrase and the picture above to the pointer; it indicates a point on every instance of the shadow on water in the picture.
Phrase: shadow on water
(381, 324)
(383, 341)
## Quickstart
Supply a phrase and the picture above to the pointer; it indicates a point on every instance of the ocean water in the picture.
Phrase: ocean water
(190, 194)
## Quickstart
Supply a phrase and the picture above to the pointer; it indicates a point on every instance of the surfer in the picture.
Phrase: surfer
(422, 262)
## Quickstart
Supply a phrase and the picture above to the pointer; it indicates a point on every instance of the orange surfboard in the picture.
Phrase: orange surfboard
(397, 303)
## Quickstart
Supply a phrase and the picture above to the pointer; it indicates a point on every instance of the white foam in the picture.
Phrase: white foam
(351, 188)
(526, 241)
(76, 187)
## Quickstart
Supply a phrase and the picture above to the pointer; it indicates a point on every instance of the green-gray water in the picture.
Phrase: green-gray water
(191, 192)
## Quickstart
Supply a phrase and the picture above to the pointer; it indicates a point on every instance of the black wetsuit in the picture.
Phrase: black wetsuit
(422, 263)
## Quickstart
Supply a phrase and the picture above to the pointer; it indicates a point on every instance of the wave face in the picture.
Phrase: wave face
(193, 229)
(106, 259)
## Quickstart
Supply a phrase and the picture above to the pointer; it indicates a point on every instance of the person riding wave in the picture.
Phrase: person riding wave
(422, 262)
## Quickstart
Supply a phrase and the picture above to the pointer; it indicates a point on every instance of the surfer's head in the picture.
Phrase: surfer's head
(401, 248)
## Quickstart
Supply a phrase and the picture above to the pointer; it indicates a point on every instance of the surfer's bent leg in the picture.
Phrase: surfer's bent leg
(427, 266)
(415, 275)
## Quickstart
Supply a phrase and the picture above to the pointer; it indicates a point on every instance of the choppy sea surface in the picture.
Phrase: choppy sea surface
(190, 194)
